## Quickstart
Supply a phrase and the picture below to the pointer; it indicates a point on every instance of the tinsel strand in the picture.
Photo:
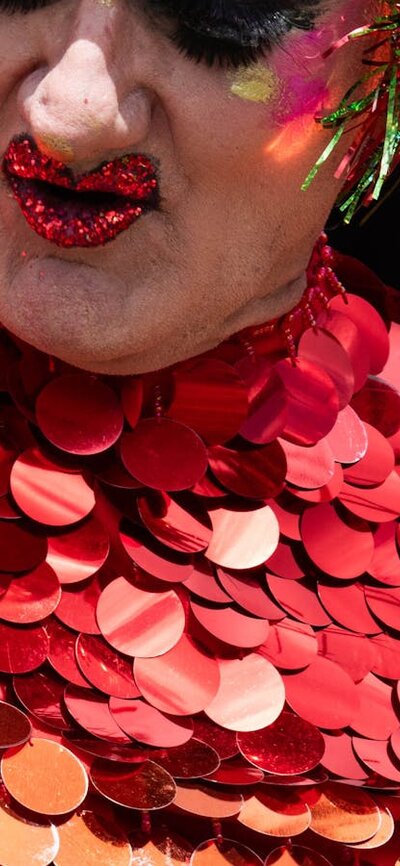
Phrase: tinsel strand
(373, 115)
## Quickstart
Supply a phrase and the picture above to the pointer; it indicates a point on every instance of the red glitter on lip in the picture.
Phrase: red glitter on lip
(87, 211)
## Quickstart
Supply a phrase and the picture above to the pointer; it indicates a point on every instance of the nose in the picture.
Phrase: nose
(88, 101)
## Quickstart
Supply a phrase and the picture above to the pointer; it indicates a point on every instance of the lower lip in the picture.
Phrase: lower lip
(83, 220)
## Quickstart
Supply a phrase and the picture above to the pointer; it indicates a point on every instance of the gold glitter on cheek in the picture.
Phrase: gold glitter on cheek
(255, 83)
(108, 3)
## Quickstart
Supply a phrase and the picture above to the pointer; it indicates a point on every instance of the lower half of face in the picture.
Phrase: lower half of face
(226, 248)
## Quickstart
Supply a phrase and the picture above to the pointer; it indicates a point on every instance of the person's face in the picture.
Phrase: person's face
(92, 80)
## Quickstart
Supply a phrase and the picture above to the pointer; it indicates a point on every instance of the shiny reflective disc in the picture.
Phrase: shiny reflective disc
(339, 546)
(347, 605)
(159, 848)
(323, 694)
(383, 603)
(296, 855)
(48, 493)
(243, 539)
(210, 397)
(20, 549)
(91, 711)
(310, 467)
(376, 718)
(248, 590)
(61, 654)
(222, 740)
(79, 553)
(15, 727)
(379, 405)
(27, 771)
(164, 454)
(155, 558)
(290, 645)
(207, 802)
(370, 326)
(384, 834)
(22, 649)
(344, 814)
(286, 561)
(77, 608)
(24, 842)
(42, 693)
(106, 670)
(299, 600)
(257, 473)
(340, 758)
(192, 760)
(79, 414)
(376, 754)
(251, 694)
(348, 438)
(387, 656)
(173, 525)
(31, 597)
(313, 402)
(224, 852)
(289, 746)
(230, 625)
(355, 653)
(238, 775)
(204, 583)
(385, 565)
(376, 465)
(181, 681)
(149, 725)
(321, 347)
(379, 504)
(268, 407)
(277, 813)
(139, 623)
(97, 845)
(145, 787)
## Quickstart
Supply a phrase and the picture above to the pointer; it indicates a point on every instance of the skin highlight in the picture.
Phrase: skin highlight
(229, 246)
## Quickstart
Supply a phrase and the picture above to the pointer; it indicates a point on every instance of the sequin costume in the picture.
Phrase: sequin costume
(200, 597)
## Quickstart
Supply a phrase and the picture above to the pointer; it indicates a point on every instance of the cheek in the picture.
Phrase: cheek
(305, 76)
(18, 54)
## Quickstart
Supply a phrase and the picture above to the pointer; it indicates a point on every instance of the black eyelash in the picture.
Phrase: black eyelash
(23, 7)
(213, 51)
(232, 33)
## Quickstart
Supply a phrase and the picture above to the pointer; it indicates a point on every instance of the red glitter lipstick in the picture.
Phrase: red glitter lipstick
(87, 211)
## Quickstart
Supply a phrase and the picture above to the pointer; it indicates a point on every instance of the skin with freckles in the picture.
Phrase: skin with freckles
(91, 81)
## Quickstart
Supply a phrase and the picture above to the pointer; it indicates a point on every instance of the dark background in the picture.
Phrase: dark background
(377, 241)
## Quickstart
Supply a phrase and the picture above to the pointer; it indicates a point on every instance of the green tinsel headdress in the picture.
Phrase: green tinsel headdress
(371, 110)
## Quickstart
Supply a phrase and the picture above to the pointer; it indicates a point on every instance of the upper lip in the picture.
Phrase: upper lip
(131, 176)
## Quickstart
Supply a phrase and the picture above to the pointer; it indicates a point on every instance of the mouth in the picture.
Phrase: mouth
(87, 211)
